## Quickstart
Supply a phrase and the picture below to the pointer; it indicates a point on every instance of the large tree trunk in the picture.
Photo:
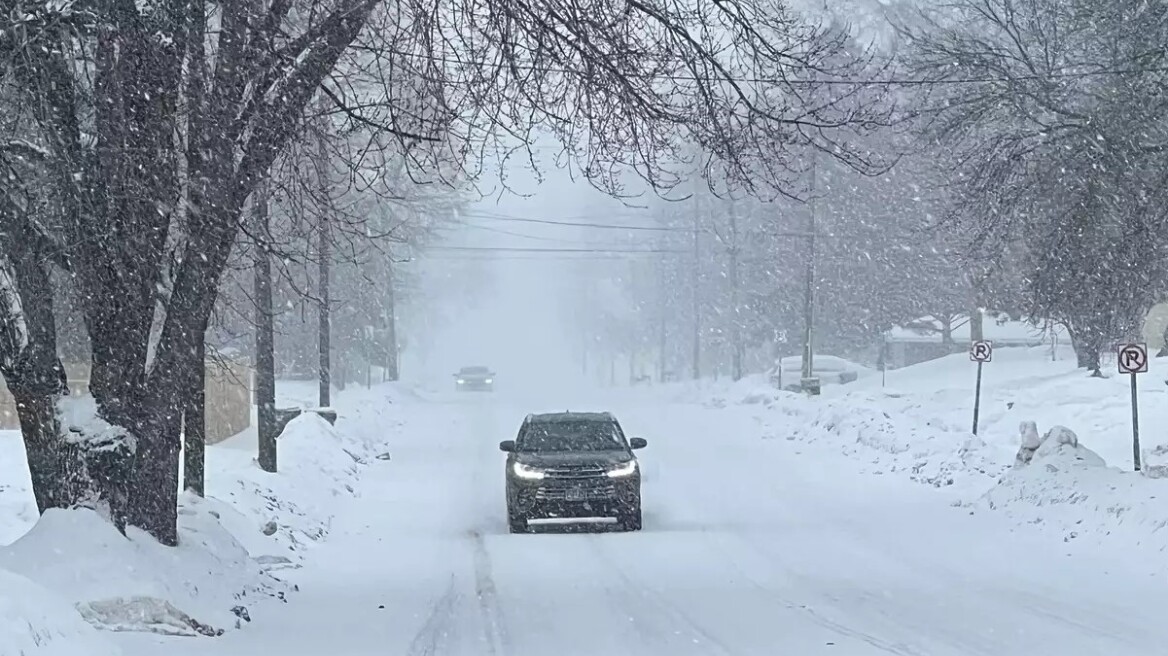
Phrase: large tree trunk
(946, 321)
(37, 379)
(195, 429)
(65, 471)
(976, 325)
(1088, 347)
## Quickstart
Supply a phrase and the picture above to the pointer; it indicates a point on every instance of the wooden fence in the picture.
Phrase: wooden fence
(228, 389)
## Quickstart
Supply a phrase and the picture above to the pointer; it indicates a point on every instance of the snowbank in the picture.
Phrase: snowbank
(895, 433)
(17, 510)
(919, 427)
(35, 622)
(232, 544)
(113, 578)
(1066, 488)
(281, 514)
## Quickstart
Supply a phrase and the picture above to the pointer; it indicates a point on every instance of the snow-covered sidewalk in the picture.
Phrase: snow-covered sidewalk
(232, 543)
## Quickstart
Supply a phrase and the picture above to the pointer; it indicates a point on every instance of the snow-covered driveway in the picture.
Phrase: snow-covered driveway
(750, 546)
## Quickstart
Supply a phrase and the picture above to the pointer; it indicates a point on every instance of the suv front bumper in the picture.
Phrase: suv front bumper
(577, 497)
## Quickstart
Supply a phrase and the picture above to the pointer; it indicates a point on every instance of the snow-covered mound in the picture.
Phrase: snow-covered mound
(35, 622)
(231, 544)
(18, 511)
(917, 424)
(83, 558)
(315, 467)
(1067, 488)
(927, 449)
(276, 516)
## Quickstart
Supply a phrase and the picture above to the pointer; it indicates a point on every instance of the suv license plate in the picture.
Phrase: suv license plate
(575, 494)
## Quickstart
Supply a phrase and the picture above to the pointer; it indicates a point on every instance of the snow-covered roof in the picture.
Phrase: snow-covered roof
(1000, 329)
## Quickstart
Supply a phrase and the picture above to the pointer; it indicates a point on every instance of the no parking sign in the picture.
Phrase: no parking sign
(1133, 359)
(981, 352)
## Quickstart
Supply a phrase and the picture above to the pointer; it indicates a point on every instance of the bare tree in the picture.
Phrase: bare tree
(150, 220)
(1054, 117)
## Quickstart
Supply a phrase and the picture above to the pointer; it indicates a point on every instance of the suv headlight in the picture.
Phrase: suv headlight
(489, 381)
(623, 469)
(461, 381)
(527, 472)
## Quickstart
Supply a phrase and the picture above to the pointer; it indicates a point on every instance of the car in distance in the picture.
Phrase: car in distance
(478, 379)
(572, 465)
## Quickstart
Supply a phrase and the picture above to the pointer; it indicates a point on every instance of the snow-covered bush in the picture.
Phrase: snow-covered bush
(1058, 447)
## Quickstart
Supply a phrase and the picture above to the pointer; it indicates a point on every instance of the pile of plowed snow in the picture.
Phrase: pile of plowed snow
(232, 543)
(919, 426)
(131, 582)
(35, 622)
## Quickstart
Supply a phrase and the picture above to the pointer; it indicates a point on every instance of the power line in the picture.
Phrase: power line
(528, 258)
(555, 240)
(569, 217)
(893, 81)
(517, 249)
(577, 224)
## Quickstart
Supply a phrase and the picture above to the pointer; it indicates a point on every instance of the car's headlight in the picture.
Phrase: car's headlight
(489, 381)
(530, 473)
(461, 381)
(623, 469)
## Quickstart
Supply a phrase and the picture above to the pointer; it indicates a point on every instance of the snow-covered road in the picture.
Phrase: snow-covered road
(750, 546)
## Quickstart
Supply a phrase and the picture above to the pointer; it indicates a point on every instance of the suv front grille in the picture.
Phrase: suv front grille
(583, 471)
(564, 494)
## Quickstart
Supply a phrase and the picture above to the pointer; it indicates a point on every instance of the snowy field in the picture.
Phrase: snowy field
(867, 521)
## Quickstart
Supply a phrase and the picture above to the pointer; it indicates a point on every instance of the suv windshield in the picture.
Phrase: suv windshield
(473, 370)
(570, 436)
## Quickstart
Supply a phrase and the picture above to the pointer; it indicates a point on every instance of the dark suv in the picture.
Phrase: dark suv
(573, 465)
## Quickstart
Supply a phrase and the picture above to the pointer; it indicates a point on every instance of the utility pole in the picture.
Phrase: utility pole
(265, 358)
(392, 371)
(697, 308)
(735, 303)
(809, 384)
(661, 321)
(325, 254)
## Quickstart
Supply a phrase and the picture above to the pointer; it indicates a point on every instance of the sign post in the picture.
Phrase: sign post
(1133, 359)
(981, 352)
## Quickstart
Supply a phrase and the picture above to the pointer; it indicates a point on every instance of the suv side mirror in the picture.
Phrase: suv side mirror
(507, 446)
(638, 443)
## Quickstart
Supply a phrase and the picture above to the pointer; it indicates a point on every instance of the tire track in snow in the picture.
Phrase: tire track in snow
(436, 632)
(703, 638)
(718, 542)
(494, 630)
(728, 558)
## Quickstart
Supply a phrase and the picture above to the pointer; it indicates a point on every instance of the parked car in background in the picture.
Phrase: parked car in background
(830, 369)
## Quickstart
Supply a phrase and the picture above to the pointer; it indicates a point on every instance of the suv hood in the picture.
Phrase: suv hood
(569, 458)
